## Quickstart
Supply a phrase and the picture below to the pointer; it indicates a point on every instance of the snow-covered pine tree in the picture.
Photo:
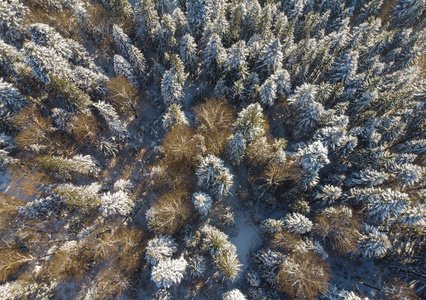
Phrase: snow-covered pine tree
(12, 26)
(80, 196)
(213, 174)
(160, 248)
(123, 68)
(374, 244)
(174, 116)
(188, 53)
(118, 203)
(45, 61)
(147, 23)
(202, 203)
(407, 12)
(250, 122)
(11, 100)
(121, 40)
(198, 15)
(235, 65)
(85, 165)
(234, 294)
(213, 57)
(311, 159)
(344, 67)
(168, 272)
(236, 148)
(268, 92)
(270, 59)
(305, 110)
(171, 89)
(167, 41)
(298, 223)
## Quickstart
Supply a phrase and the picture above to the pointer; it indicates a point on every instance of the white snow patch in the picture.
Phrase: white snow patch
(247, 239)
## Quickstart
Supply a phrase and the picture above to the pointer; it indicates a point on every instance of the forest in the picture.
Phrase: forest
(212, 149)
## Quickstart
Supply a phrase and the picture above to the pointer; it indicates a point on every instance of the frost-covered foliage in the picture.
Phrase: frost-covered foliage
(174, 116)
(269, 262)
(123, 185)
(298, 223)
(118, 203)
(42, 207)
(168, 272)
(236, 148)
(160, 248)
(12, 27)
(223, 252)
(80, 196)
(407, 12)
(213, 174)
(272, 226)
(123, 68)
(307, 111)
(202, 203)
(46, 62)
(329, 194)
(311, 159)
(340, 294)
(85, 165)
(250, 122)
(171, 89)
(197, 265)
(374, 244)
(11, 100)
(234, 294)
(268, 92)
(111, 116)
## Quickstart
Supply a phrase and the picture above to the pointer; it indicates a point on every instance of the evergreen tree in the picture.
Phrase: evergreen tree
(407, 12)
(123, 68)
(159, 248)
(373, 245)
(311, 159)
(12, 27)
(198, 15)
(202, 203)
(168, 272)
(344, 68)
(298, 223)
(213, 174)
(147, 23)
(250, 122)
(213, 57)
(11, 100)
(188, 53)
(234, 294)
(306, 110)
(171, 89)
(80, 196)
(236, 148)
(174, 116)
(270, 59)
(118, 203)
(268, 92)
(235, 65)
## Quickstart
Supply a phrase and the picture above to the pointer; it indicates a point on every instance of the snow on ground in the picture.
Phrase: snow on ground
(4, 181)
(247, 238)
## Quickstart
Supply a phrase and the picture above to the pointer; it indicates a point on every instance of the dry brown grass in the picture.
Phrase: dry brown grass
(216, 118)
